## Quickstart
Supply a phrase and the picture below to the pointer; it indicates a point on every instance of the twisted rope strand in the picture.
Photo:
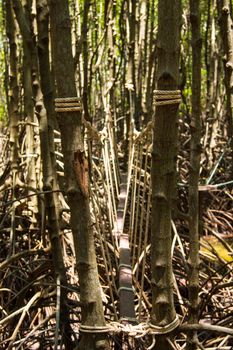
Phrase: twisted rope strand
(67, 104)
(167, 92)
(166, 97)
(94, 329)
(71, 109)
(167, 102)
(67, 99)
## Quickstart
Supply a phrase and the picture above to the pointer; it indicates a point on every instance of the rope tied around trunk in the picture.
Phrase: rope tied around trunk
(136, 330)
(165, 329)
(94, 329)
(167, 97)
(68, 104)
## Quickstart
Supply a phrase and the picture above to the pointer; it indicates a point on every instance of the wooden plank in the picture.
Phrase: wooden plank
(126, 293)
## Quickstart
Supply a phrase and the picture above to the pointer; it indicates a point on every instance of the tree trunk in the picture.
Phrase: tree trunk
(193, 261)
(13, 103)
(49, 177)
(131, 83)
(226, 26)
(14, 88)
(141, 57)
(52, 205)
(212, 116)
(28, 107)
(150, 65)
(87, 4)
(76, 173)
(164, 169)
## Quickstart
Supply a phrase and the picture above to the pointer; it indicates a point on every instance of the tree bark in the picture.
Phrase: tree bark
(151, 64)
(49, 177)
(28, 106)
(226, 27)
(76, 169)
(131, 83)
(212, 117)
(45, 109)
(13, 104)
(195, 152)
(87, 4)
(14, 88)
(163, 173)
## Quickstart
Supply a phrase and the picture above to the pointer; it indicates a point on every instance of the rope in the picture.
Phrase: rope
(70, 109)
(144, 226)
(167, 92)
(165, 329)
(129, 320)
(167, 97)
(94, 329)
(138, 191)
(138, 330)
(144, 134)
(68, 104)
(92, 132)
(128, 289)
(67, 99)
(125, 265)
(133, 204)
(102, 210)
(136, 221)
(101, 229)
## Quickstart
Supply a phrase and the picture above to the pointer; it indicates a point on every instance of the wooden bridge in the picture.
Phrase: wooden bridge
(123, 231)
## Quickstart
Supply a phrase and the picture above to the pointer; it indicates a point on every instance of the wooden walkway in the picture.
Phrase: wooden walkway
(126, 292)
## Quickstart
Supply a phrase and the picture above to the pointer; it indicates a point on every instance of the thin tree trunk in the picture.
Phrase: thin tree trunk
(48, 165)
(14, 88)
(212, 89)
(141, 57)
(226, 26)
(76, 174)
(87, 4)
(131, 83)
(163, 173)
(49, 177)
(28, 107)
(13, 104)
(206, 42)
(195, 152)
(151, 64)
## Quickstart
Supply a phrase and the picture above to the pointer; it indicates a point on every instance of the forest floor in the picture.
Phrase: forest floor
(29, 290)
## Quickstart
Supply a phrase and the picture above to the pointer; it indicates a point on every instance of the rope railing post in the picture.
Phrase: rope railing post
(163, 319)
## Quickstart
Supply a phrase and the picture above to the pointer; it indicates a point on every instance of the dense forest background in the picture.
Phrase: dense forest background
(116, 174)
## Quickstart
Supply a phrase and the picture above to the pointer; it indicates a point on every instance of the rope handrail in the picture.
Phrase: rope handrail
(144, 133)
(92, 132)
(144, 328)
(103, 203)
